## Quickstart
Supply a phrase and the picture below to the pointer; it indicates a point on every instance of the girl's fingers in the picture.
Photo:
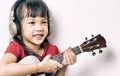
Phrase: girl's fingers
(69, 57)
(72, 56)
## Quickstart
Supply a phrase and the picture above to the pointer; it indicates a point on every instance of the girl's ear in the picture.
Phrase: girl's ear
(50, 27)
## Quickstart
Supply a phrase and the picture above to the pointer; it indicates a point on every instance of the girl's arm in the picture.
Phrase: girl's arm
(9, 67)
(61, 72)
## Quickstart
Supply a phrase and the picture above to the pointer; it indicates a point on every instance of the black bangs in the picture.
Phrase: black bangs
(36, 8)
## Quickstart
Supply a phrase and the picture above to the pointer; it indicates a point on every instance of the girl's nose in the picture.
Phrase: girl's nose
(39, 27)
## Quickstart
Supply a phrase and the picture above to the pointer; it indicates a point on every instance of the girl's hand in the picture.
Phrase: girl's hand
(50, 66)
(69, 57)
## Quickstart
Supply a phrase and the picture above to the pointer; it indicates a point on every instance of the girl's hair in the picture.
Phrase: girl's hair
(34, 8)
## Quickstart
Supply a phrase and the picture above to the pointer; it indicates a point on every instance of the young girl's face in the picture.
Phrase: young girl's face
(34, 29)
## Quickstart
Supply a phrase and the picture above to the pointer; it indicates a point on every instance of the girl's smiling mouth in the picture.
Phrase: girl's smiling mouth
(38, 36)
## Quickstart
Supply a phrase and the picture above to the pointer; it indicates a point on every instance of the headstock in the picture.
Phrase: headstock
(94, 43)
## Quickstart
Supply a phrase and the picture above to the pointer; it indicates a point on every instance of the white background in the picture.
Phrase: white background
(73, 20)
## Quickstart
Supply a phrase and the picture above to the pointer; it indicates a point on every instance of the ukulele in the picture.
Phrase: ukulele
(90, 45)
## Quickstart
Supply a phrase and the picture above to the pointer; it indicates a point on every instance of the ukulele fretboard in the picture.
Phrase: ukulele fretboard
(59, 57)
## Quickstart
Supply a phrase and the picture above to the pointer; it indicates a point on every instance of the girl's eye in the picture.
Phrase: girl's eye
(44, 22)
(31, 22)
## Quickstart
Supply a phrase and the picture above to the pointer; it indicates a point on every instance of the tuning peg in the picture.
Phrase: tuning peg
(86, 38)
(93, 53)
(92, 35)
(100, 51)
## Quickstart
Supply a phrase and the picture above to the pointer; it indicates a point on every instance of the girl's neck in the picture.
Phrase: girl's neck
(33, 47)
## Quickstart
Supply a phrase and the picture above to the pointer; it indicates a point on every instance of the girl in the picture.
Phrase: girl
(29, 52)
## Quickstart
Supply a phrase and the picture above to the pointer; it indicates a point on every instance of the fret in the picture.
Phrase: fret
(76, 50)
(59, 57)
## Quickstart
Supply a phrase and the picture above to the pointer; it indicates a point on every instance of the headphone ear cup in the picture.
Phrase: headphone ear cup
(14, 28)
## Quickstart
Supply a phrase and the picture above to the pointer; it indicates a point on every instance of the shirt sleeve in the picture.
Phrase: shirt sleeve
(13, 48)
